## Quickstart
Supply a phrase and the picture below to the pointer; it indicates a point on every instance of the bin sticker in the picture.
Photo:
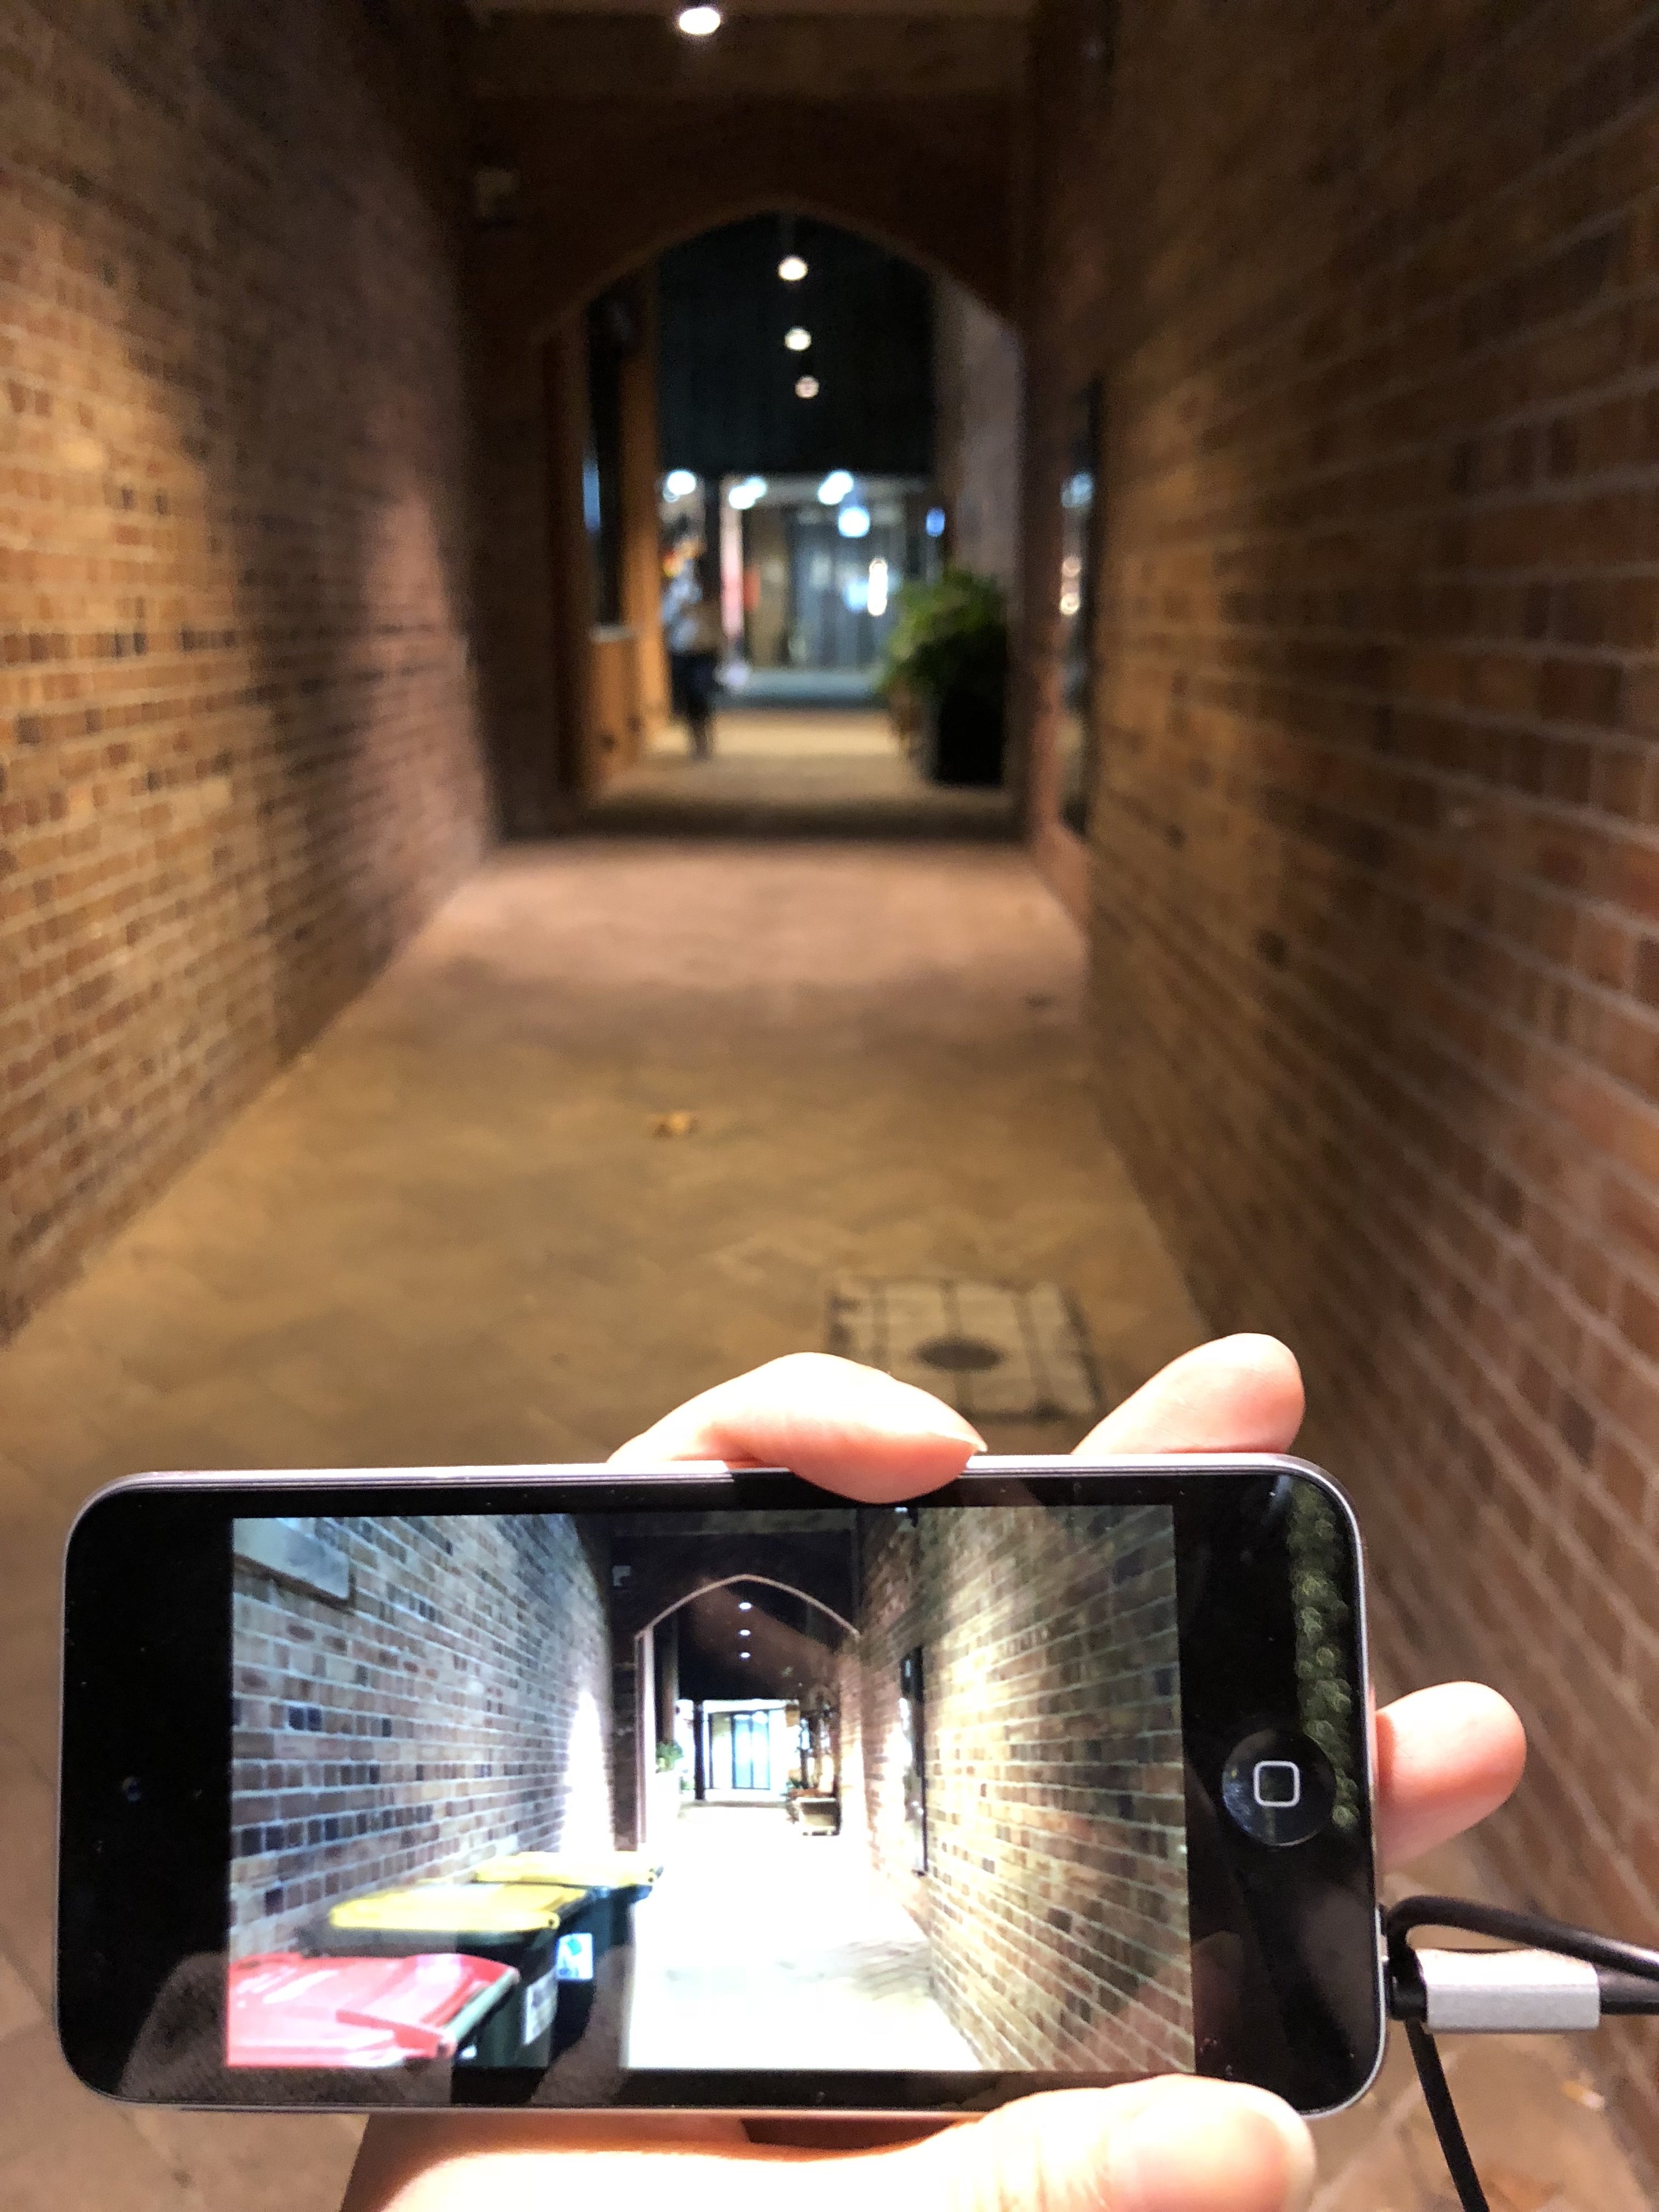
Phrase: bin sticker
(573, 1960)
(539, 1999)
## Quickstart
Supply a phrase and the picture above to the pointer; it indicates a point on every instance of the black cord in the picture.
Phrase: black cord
(1628, 1977)
(1436, 2095)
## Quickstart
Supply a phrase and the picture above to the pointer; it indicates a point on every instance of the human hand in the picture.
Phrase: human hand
(1445, 1758)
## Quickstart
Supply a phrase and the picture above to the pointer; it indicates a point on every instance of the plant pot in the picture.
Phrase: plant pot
(967, 732)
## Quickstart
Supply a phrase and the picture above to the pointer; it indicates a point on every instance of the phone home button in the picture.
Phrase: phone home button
(1278, 1787)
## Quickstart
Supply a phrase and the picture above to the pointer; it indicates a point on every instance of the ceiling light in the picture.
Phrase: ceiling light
(698, 22)
(806, 387)
(744, 1606)
(680, 483)
(743, 1654)
(798, 340)
(854, 521)
(745, 1632)
(792, 268)
(835, 487)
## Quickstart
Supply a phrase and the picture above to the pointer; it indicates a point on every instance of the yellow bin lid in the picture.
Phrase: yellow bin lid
(458, 1908)
(585, 1869)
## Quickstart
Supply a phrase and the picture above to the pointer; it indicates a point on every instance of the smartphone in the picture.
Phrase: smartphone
(568, 1787)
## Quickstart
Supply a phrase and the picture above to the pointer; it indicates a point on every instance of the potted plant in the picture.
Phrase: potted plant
(948, 650)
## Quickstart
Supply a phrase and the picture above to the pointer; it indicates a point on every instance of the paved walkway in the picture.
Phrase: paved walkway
(804, 773)
(762, 1946)
(449, 1234)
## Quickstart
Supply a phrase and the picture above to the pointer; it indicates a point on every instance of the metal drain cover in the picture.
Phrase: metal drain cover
(993, 1351)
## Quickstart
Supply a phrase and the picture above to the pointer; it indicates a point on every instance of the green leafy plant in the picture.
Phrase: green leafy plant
(949, 637)
(669, 1757)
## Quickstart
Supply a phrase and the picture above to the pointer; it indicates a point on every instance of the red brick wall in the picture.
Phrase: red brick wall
(1377, 864)
(1056, 1896)
(237, 746)
(456, 1705)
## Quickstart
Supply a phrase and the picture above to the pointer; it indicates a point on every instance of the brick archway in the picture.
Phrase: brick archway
(601, 186)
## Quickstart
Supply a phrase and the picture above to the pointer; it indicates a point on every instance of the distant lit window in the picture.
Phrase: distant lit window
(876, 597)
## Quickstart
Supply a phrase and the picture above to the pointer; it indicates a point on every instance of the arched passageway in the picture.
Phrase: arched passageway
(679, 370)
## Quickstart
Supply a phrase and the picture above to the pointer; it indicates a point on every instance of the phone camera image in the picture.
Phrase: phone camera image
(593, 1797)
(678, 1790)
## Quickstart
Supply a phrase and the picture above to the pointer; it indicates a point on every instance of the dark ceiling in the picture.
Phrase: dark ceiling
(791, 1642)
(727, 381)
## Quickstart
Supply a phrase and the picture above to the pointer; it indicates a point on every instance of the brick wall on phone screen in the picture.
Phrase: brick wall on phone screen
(1055, 1895)
(456, 1706)
(238, 756)
(1377, 837)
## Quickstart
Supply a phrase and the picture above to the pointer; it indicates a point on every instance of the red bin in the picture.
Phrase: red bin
(282, 2009)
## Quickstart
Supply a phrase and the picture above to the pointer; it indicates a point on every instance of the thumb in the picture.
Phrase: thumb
(1164, 2146)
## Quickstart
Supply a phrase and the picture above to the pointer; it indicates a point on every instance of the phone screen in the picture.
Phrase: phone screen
(707, 1790)
(836, 1788)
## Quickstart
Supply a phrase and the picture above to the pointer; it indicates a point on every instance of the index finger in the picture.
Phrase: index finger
(849, 1429)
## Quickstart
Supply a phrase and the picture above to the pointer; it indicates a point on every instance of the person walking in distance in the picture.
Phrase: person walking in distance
(696, 639)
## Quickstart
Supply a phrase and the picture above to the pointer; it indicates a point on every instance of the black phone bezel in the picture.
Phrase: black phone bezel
(144, 1779)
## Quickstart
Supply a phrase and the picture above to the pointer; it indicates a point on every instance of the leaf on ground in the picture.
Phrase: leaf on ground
(673, 1125)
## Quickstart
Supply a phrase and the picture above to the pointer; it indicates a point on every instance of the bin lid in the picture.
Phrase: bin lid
(284, 2011)
(581, 1869)
(459, 1908)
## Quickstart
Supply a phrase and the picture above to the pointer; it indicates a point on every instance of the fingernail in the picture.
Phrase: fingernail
(1182, 2153)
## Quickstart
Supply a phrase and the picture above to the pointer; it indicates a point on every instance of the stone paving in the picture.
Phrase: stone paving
(763, 1946)
(449, 1233)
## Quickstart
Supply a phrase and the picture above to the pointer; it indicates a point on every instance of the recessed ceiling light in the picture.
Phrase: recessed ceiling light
(698, 22)
(798, 340)
(806, 387)
(744, 1606)
(745, 1632)
(792, 268)
(743, 1654)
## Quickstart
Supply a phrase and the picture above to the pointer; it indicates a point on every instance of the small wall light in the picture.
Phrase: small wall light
(798, 340)
(698, 22)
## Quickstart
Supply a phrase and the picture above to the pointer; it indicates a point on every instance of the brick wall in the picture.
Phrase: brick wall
(1376, 859)
(456, 1704)
(1056, 1898)
(238, 762)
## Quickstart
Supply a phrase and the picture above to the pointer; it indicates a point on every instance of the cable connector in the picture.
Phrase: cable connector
(1567, 1984)
(1507, 1993)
